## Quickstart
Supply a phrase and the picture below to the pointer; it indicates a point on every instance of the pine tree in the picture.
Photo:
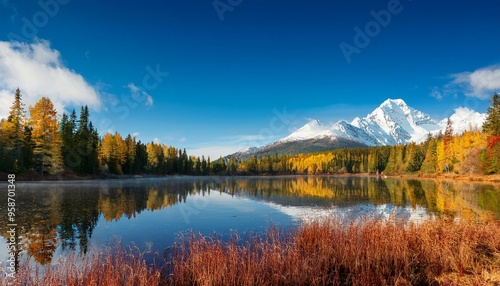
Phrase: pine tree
(130, 154)
(415, 158)
(93, 144)
(448, 133)
(82, 138)
(491, 125)
(14, 135)
(46, 137)
(141, 157)
(184, 162)
(219, 165)
(86, 144)
(27, 148)
(209, 165)
(179, 162)
(197, 168)
(447, 148)
(204, 168)
(17, 116)
(232, 165)
(68, 126)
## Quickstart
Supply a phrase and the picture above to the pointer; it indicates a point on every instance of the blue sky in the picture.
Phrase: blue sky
(217, 76)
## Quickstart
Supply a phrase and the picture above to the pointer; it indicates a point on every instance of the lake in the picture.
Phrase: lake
(57, 218)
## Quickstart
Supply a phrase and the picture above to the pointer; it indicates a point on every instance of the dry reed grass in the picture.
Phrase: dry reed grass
(434, 252)
(113, 266)
(437, 252)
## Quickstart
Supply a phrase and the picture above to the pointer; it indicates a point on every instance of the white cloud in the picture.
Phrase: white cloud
(38, 70)
(136, 134)
(182, 140)
(6, 100)
(481, 83)
(156, 141)
(140, 95)
(252, 139)
(436, 93)
(133, 88)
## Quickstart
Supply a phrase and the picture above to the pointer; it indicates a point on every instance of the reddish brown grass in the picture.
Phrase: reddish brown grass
(116, 266)
(434, 252)
(332, 253)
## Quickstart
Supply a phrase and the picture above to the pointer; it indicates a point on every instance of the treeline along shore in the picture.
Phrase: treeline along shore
(45, 145)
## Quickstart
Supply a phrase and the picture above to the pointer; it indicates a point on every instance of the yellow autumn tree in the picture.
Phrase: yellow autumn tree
(46, 137)
(440, 156)
(113, 151)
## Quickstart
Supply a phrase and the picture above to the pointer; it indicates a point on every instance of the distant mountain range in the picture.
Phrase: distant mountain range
(393, 122)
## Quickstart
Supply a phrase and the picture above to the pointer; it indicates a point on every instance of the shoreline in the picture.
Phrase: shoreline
(480, 179)
(473, 179)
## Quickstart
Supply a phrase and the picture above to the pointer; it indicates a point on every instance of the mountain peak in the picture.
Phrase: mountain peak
(398, 101)
(313, 122)
(313, 129)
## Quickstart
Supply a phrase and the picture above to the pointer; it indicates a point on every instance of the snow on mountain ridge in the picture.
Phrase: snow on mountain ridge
(349, 131)
(313, 129)
(393, 122)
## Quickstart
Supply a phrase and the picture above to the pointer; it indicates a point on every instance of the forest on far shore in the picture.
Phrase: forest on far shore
(49, 144)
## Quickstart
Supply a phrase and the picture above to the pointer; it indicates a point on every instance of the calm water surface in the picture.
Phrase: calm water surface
(56, 218)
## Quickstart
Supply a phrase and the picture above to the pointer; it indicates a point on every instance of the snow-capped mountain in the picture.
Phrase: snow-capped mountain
(393, 122)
